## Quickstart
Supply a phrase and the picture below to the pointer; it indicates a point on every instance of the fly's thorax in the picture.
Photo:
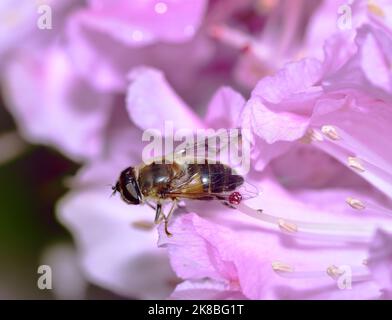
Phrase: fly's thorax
(156, 179)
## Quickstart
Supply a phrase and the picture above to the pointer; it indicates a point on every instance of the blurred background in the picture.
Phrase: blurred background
(72, 80)
(32, 181)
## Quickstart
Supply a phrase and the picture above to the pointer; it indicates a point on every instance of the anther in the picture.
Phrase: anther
(287, 226)
(355, 203)
(334, 272)
(355, 164)
(330, 132)
(375, 9)
(281, 267)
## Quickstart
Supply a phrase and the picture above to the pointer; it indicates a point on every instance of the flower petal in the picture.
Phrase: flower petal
(54, 100)
(151, 101)
(117, 251)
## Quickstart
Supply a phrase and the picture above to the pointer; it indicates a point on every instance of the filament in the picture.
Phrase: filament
(304, 229)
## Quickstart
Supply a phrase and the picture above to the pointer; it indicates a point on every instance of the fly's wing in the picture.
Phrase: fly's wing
(221, 186)
(223, 147)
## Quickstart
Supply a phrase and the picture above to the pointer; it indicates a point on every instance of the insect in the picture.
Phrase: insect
(205, 180)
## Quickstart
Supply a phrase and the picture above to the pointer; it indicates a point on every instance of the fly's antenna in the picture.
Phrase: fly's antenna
(114, 189)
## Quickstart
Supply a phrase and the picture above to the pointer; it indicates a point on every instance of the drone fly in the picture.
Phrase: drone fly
(181, 179)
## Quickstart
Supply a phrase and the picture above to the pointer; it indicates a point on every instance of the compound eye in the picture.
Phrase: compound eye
(131, 188)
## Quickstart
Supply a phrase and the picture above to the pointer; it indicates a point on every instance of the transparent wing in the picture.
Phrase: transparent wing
(220, 187)
(222, 147)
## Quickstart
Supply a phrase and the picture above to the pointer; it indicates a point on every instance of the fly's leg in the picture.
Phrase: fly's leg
(167, 218)
(228, 204)
(151, 205)
(159, 216)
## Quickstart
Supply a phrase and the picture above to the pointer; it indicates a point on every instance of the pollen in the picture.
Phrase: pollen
(355, 203)
(355, 164)
(330, 132)
(334, 272)
(287, 226)
(375, 9)
(281, 267)
(310, 136)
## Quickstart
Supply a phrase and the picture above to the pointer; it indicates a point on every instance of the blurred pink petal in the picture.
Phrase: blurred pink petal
(137, 36)
(54, 100)
(19, 23)
(244, 253)
(380, 261)
(68, 279)
(142, 22)
(151, 101)
(294, 79)
(225, 108)
(115, 252)
(205, 289)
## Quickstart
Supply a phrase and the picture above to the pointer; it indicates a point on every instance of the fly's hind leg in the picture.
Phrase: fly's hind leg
(167, 218)
(160, 216)
(228, 204)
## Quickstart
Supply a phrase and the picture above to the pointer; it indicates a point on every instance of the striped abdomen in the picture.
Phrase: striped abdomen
(196, 181)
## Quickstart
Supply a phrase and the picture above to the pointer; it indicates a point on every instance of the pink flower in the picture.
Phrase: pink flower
(305, 243)
(320, 130)
(380, 255)
(57, 94)
(117, 242)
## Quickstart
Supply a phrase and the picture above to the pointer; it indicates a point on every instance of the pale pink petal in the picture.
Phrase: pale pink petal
(139, 22)
(114, 253)
(294, 79)
(48, 99)
(68, 280)
(19, 23)
(224, 109)
(242, 251)
(380, 261)
(86, 45)
(205, 289)
(274, 126)
(151, 102)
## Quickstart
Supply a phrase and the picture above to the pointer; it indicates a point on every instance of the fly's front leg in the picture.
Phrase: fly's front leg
(159, 216)
(151, 205)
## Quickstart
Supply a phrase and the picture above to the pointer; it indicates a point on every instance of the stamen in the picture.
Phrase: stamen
(375, 208)
(334, 272)
(239, 40)
(281, 267)
(322, 231)
(231, 36)
(379, 175)
(316, 136)
(375, 9)
(287, 226)
(356, 273)
(355, 164)
(330, 132)
(355, 203)
(369, 207)
(310, 136)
